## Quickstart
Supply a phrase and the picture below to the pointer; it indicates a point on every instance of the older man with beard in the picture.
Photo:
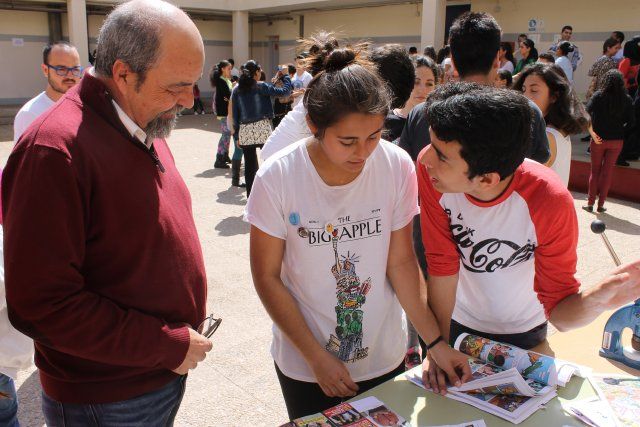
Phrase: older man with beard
(103, 264)
(61, 66)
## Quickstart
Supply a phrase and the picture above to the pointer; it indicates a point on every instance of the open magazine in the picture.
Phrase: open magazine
(367, 412)
(508, 382)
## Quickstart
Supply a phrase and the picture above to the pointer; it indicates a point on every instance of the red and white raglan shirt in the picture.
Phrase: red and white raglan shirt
(516, 255)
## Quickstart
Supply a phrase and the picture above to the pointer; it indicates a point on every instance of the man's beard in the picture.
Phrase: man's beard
(160, 127)
(60, 88)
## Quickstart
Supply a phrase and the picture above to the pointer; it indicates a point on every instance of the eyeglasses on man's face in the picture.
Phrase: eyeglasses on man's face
(209, 326)
(63, 71)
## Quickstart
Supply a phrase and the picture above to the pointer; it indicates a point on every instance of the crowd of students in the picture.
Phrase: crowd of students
(465, 202)
(332, 251)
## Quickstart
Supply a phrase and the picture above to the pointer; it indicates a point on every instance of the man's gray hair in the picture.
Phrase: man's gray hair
(131, 34)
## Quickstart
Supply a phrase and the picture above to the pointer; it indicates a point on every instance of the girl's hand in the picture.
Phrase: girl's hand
(332, 375)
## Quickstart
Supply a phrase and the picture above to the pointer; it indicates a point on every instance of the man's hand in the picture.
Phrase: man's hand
(621, 286)
(199, 346)
(332, 375)
(441, 362)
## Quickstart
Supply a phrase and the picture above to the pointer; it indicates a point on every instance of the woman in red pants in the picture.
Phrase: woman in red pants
(611, 112)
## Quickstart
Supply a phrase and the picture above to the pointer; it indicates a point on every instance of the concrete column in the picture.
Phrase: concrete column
(433, 17)
(78, 36)
(240, 33)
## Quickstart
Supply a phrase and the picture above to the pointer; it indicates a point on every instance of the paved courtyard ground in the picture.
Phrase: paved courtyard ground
(236, 385)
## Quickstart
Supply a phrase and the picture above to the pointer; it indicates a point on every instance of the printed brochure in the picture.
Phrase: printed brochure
(508, 382)
(367, 412)
(622, 393)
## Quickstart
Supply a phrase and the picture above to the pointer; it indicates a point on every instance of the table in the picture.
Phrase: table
(581, 346)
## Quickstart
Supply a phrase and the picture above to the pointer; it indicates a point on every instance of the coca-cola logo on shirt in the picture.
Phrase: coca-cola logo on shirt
(488, 255)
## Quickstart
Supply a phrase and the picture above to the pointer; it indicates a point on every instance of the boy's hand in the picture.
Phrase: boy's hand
(441, 362)
(621, 286)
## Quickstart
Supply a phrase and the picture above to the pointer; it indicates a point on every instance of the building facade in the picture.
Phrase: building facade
(267, 30)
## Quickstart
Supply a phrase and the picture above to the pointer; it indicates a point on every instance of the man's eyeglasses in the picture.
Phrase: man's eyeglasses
(209, 326)
(63, 71)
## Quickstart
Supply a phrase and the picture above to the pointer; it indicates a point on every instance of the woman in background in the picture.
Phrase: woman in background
(424, 83)
(221, 82)
(611, 113)
(529, 55)
(562, 61)
(253, 112)
(547, 86)
(507, 61)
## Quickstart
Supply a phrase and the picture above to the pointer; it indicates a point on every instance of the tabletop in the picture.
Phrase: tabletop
(580, 346)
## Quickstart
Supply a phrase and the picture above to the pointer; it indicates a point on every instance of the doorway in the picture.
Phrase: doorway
(452, 14)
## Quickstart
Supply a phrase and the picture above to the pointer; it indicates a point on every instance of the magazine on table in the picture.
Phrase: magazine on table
(622, 393)
(367, 412)
(530, 365)
(477, 423)
(507, 381)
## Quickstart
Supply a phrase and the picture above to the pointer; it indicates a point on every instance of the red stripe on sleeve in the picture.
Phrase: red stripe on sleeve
(440, 249)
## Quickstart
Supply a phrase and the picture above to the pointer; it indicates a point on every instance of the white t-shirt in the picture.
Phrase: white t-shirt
(564, 63)
(293, 127)
(338, 280)
(562, 164)
(300, 82)
(515, 255)
(29, 112)
(508, 65)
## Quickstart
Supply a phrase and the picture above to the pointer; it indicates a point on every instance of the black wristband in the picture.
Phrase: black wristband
(434, 342)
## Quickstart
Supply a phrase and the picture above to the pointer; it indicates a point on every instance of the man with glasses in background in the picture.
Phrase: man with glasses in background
(61, 66)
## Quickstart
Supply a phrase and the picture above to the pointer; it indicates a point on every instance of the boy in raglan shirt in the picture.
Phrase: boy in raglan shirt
(500, 232)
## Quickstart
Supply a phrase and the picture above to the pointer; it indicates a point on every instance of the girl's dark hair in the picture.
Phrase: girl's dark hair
(425, 61)
(609, 43)
(395, 68)
(443, 53)
(533, 54)
(317, 48)
(565, 47)
(216, 72)
(548, 56)
(247, 78)
(430, 52)
(566, 113)
(506, 75)
(508, 49)
(612, 92)
(349, 83)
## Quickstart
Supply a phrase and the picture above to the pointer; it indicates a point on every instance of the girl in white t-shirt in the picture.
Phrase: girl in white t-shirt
(548, 87)
(331, 246)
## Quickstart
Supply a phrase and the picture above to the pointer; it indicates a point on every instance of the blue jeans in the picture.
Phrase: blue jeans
(8, 402)
(157, 408)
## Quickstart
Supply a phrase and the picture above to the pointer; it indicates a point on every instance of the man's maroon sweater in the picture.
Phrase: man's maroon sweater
(103, 264)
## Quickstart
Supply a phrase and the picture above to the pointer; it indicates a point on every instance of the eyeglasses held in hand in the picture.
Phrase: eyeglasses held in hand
(209, 326)
(63, 71)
